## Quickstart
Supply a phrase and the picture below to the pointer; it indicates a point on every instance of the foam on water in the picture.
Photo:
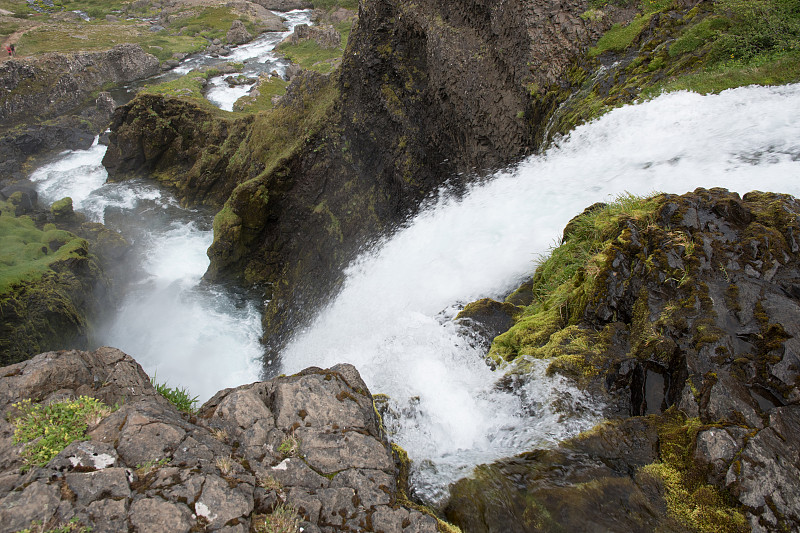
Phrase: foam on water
(258, 58)
(193, 336)
(392, 317)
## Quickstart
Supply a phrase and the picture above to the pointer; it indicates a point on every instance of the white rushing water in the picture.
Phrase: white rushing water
(190, 335)
(258, 57)
(392, 317)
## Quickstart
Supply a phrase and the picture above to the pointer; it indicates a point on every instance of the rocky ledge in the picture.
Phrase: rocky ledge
(681, 314)
(311, 443)
(54, 84)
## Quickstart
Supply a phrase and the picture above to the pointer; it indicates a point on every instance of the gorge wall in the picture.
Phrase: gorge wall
(427, 93)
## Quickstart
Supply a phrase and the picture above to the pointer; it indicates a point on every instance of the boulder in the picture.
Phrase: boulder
(238, 34)
(311, 442)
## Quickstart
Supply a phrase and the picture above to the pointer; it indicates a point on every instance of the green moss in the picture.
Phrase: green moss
(561, 286)
(62, 208)
(695, 504)
(620, 36)
(27, 253)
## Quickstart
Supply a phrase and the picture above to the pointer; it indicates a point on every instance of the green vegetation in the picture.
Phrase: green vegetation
(188, 32)
(73, 526)
(620, 36)
(151, 466)
(327, 5)
(7, 28)
(47, 429)
(210, 23)
(696, 504)
(27, 253)
(290, 447)
(180, 398)
(310, 55)
(267, 90)
(562, 285)
(706, 49)
(283, 519)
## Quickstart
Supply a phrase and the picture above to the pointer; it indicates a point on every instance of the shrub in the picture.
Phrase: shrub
(757, 27)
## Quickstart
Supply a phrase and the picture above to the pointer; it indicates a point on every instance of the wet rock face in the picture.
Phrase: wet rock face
(55, 84)
(311, 440)
(702, 302)
(452, 81)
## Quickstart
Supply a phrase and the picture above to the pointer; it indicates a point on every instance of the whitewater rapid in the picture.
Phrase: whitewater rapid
(190, 335)
(393, 317)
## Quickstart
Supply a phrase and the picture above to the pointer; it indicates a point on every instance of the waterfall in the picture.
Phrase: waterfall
(393, 316)
(188, 334)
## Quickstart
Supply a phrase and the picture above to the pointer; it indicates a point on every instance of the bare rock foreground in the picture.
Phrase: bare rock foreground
(312, 441)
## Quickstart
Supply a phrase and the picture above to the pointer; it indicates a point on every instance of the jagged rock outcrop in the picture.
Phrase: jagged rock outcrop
(312, 441)
(179, 143)
(684, 319)
(55, 84)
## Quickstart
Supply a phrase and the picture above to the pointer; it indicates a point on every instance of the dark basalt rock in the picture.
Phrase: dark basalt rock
(146, 467)
(55, 84)
(692, 327)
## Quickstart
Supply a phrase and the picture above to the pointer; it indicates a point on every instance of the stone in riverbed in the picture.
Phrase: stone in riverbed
(238, 34)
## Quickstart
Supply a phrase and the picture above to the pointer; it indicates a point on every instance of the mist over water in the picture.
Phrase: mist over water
(392, 319)
(190, 335)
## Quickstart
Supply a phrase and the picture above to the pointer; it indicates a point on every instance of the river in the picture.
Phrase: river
(186, 333)
(393, 317)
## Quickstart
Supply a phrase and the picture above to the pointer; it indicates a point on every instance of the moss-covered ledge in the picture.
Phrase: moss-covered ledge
(50, 284)
(679, 314)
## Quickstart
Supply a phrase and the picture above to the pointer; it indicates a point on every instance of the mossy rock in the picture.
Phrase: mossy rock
(49, 285)
(62, 209)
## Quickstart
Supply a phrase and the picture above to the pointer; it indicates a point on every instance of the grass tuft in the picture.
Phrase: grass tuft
(179, 397)
(283, 519)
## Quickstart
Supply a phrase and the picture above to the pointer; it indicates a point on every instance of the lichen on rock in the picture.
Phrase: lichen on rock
(146, 466)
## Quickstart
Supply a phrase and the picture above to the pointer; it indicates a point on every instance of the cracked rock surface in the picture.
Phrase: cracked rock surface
(311, 441)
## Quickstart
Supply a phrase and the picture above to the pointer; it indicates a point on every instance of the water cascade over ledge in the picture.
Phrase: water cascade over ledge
(393, 317)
